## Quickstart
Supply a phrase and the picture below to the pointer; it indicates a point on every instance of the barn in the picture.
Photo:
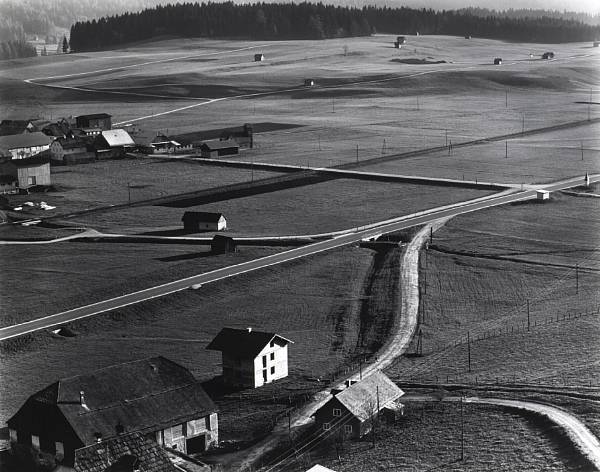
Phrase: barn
(217, 148)
(355, 407)
(497, 61)
(113, 143)
(259, 57)
(155, 397)
(95, 120)
(196, 221)
(251, 358)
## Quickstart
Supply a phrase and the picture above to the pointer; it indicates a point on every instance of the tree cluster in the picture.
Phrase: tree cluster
(313, 21)
(16, 49)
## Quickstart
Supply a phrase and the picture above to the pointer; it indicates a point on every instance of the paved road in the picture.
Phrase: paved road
(225, 272)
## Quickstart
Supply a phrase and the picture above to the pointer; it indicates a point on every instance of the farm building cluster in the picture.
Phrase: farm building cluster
(29, 147)
(148, 411)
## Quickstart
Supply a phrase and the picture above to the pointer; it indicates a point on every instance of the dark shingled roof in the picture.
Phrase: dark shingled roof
(124, 453)
(244, 343)
(218, 144)
(361, 398)
(145, 396)
(202, 216)
(26, 140)
(94, 116)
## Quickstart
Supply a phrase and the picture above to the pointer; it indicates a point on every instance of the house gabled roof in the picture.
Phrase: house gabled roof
(117, 138)
(18, 141)
(216, 144)
(202, 216)
(118, 453)
(143, 396)
(244, 342)
(94, 116)
(360, 398)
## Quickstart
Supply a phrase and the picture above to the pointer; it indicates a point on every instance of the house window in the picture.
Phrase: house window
(35, 441)
(31, 180)
(272, 344)
(337, 412)
(273, 370)
(348, 428)
(326, 426)
(264, 361)
(272, 356)
(264, 375)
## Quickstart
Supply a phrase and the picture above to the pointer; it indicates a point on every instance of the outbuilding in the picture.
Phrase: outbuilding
(309, 82)
(196, 221)
(497, 61)
(95, 120)
(548, 55)
(222, 244)
(542, 195)
(259, 57)
(217, 148)
(251, 358)
(70, 151)
(401, 40)
(397, 45)
(355, 407)
(154, 397)
(596, 44)
(113, 143)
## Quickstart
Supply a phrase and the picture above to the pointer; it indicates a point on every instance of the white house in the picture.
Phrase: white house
(251, 358)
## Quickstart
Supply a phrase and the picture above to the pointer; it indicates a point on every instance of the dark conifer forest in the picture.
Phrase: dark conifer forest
(313, 21)
(15, 49)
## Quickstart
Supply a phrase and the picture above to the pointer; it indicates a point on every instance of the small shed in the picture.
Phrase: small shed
(497, 61)
(195, 221)
(251, 358)
(222, 244)
(397, 45)
(548, 55)
(218, 148)
(95, 120)
(259, 57)
(467, 36)
(596, 44)
(309, 82)
(542, 195)
(33, 171)
(401, 40)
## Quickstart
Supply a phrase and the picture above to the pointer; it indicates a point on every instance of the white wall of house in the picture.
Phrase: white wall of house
(24, 152)
(270, 364)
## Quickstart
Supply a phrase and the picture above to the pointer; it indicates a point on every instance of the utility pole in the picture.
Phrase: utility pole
(469, 349)
(528, 318)
(506, 149)
(360, 360)
(128, 193)
(506, 98)
(383, 147)
(576, 278)
(590, 106)
(462, 430)
(357, 153)
(431, 234)
(582, 150)
(523, 126)
(446, 137)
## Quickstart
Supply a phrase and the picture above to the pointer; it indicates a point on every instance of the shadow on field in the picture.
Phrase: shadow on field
(186, 257)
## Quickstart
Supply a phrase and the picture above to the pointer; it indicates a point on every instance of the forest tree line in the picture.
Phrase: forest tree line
(314, 21)
(16, 49)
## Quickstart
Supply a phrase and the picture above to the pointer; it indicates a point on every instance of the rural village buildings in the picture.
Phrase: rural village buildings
(196, 221)
(113, 143)
(154, 397)
(251, 358)
(217, 148)
(21, 146)
(355, 407)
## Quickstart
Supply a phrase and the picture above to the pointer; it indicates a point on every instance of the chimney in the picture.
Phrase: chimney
(249, 329)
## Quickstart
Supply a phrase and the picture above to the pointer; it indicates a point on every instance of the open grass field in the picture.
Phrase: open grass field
(41, 280)
(318, 208)
(371, 94)
(481, 271)
(314, 301)
(428, 437)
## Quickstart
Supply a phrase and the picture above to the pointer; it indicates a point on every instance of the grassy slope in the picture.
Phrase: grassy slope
(428, 438)
(318, 208)
(313, 301)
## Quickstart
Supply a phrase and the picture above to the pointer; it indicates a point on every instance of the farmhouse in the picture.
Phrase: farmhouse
(251, 358)
(113, 143)
(356, 406)
(195, 221)
(21, 146)
(154, 397)
(259, 57)
(70, 151)
(148, 143)
(217, 148)
(497, 61)
(97, 120)
(548, 55)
